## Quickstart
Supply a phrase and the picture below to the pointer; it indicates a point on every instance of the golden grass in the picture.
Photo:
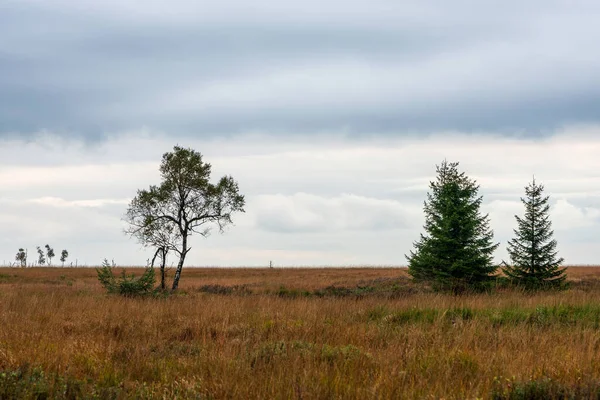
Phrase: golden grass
(263, 343)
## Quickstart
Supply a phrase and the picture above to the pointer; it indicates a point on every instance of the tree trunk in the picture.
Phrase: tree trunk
(154, 257)
(182, 255)
(162, 269)
(161, 251)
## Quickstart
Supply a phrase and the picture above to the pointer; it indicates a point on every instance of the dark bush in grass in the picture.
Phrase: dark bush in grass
(127, 285)
(225, 290)
(542, 389)
(292, 293)
(33, 383)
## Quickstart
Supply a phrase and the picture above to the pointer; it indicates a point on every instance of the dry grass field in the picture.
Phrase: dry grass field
(355, 333)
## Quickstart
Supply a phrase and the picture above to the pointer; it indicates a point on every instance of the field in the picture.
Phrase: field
(354, 333)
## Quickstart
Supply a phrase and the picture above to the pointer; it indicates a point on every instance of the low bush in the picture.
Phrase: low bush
(292, 293)
(542, 389)
(225, 290)
(127, 285)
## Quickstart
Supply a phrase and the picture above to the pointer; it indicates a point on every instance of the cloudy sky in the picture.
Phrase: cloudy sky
(331, 116)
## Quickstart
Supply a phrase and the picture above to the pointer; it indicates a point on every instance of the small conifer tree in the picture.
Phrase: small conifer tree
(455, 253)
(534, 259)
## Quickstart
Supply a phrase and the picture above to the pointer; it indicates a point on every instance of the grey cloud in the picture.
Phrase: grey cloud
(358, 67)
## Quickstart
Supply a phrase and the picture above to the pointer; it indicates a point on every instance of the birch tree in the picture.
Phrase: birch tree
(185, 203)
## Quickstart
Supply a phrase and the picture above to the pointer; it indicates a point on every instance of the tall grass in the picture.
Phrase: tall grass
(233, 334)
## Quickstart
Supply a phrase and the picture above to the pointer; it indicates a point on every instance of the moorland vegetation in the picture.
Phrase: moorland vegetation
(453, 325)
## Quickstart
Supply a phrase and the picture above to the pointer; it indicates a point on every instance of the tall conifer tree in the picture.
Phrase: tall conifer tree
(455, 253)
(534, 259)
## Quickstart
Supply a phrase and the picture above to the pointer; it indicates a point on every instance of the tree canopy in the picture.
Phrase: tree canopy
(184, 203)
(534, 259)
(455, 252)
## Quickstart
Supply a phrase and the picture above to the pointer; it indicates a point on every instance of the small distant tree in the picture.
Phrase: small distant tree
(41, 258)
(63, 257)
(21, 257)
(456, 251)
(534, 259)
(183, 204)
(49, 254)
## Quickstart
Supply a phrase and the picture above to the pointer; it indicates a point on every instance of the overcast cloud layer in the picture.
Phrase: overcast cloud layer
(332, 116)
(88, 68)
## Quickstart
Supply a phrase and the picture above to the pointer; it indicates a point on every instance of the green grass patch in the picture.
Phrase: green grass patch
(34, 383)
(541, 316)
(542, 389)
(270, 352)
(7, 278)
(292, 293)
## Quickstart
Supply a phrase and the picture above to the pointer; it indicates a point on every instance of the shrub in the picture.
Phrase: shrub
(106, 276)
(542, 389)
(225, 290)
(127, 285)
(292, 293)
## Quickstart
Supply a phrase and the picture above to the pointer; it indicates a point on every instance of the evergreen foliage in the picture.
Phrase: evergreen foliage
(455, 253)
(106, 276)
(534, 259)
(127, 285)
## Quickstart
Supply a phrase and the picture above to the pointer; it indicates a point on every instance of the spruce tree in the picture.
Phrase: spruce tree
(534, 259)
(455, 253)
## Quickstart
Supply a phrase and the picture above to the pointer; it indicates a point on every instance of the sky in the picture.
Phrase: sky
(330, 115)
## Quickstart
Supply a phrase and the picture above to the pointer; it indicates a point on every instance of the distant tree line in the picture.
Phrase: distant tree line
(44, 256)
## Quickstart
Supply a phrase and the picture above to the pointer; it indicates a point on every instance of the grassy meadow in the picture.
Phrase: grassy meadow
(351, 333)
